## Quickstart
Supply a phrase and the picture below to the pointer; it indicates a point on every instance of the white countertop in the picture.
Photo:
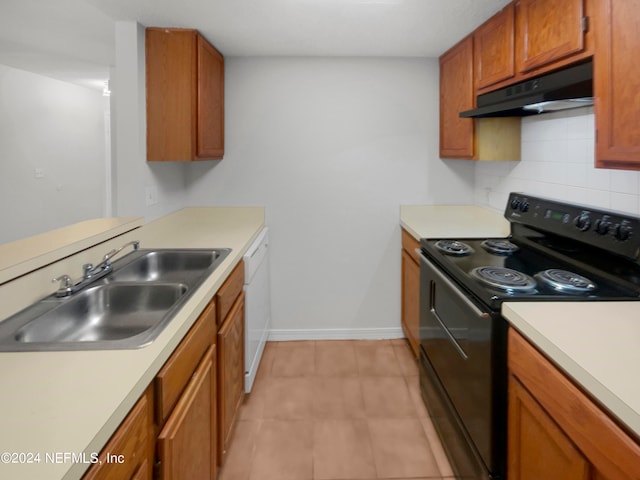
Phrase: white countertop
(595, 343)
(73, 401)
(23, 256)
(452, 221)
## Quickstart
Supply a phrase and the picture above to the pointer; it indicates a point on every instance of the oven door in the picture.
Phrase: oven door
(463, 356)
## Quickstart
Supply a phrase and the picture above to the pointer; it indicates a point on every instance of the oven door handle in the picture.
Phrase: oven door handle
(456, 289)
(450, 336)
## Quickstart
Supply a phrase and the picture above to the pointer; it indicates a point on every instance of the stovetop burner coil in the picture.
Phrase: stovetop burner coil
(505, 279)
(565, 281)
(453, 247)
(500, 246)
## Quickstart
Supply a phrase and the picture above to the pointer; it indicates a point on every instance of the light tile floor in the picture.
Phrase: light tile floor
(335, 410)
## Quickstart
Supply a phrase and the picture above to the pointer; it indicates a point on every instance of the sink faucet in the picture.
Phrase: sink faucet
(90, 272)
(105, 266)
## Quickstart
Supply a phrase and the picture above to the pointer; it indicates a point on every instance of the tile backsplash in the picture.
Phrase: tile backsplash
(558, 162)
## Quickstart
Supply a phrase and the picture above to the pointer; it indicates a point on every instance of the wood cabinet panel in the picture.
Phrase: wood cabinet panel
(171, 90)
(188, 440)
(457, 93)
(617, 84)
(133, 441)
(210, 138)
(494, 49)
(537, 447)
(142, 473)
(229, 291)
(611, 451)
(410, 244)
(176, 372)
(230, 373)
(410, 292)
(547, 31)
(185, 96)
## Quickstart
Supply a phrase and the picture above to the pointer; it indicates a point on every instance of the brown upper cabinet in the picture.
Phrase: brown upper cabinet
(531, 37)
(525, 39)
(548, 31)
(470, 138)
(185, 96)
(617, 84)
(457, 139)
(494, 49)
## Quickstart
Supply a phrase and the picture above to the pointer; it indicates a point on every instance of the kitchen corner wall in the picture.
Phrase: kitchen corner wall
(52, 153)
(558, 162)
(332, 147)
(132, 174)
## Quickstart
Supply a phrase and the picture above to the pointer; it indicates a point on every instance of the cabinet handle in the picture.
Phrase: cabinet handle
(584, 24)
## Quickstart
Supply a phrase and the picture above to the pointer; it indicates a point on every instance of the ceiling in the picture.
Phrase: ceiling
(73, 40)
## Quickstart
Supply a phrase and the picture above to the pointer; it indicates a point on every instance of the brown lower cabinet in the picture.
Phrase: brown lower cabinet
(182, 424)
(410, 314)
(230, 373)
(187, 443)
(555, 430)
(129, 452)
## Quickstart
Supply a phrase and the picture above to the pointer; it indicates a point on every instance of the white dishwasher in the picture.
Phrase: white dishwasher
(257, 305)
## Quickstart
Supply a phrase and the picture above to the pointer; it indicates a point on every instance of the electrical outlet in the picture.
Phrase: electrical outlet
(38, 173)
(151, 195)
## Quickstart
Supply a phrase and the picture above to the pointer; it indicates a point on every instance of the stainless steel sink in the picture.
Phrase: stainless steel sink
(182, 266)
(128, 308)
(104, 313)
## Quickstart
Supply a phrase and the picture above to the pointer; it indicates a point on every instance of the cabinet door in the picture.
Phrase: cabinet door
(494, 49)
(171, 94)
(537, 447)
(612, 453)
(129, 453)
(210, 136)
(617, 84)
(547, 31)
(230, 373)
(187, 443)
(410, 300)
(457, 93)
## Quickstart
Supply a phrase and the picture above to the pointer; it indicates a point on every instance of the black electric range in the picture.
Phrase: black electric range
(556, 251)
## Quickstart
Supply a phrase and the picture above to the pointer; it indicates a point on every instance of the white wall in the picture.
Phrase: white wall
(59, 128)
(132, 174)
(332, 147)
(558, 162)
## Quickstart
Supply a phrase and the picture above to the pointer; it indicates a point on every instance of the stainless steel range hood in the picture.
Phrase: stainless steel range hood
(561, 90)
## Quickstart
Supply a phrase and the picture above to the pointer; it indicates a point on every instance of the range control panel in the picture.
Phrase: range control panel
(615, 231)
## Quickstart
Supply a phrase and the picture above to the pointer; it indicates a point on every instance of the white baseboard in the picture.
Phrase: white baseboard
(336, 334)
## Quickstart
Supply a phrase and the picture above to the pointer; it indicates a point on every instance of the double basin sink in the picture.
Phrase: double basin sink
(128, 308)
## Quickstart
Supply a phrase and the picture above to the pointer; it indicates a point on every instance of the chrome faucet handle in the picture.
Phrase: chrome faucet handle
(66, 285)
(87, 270)
(65, 281)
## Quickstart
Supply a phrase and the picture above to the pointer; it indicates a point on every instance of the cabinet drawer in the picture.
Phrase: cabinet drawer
(172, 379)
(131, 443)
(410, 244)
(229, 291)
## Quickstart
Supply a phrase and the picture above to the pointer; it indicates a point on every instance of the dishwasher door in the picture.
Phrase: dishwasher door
(257, 305)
